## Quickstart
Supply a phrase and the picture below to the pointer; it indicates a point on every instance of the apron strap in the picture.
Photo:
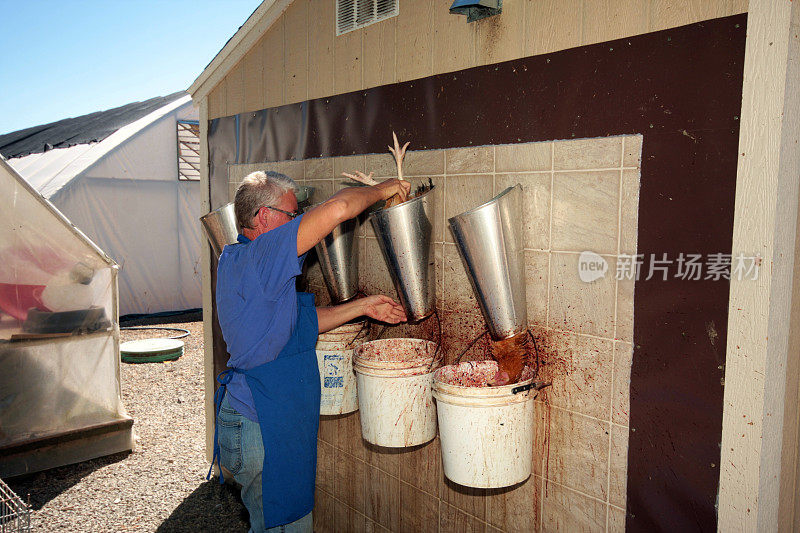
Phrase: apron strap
(224, 378)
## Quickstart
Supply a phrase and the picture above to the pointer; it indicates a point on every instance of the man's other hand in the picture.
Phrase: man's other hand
(383, 308)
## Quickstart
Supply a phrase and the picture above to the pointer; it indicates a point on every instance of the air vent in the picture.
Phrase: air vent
(354, 14)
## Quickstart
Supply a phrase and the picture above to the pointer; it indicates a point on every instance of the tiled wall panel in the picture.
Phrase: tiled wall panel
(579, 195)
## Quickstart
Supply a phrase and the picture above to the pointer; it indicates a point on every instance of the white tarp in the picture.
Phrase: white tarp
(125, 195)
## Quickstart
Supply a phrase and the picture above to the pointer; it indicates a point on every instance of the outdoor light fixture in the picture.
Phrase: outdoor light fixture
(476, 9)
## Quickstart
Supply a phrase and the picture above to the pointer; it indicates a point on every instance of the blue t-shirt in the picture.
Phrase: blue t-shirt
(257, 303)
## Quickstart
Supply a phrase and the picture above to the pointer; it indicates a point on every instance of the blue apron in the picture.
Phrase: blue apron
(286, 392)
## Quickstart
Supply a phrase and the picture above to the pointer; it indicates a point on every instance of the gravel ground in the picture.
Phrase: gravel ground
(160, 486)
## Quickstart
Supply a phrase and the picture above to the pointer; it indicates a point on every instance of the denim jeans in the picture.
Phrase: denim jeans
(242, 454)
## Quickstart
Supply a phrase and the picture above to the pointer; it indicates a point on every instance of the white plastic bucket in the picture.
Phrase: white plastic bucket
(394, 391)
(486, 432)
(335, 359)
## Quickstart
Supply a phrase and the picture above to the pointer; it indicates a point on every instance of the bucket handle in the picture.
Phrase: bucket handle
(364, 327)
(536, 351)
(438, 340)
(484, 332)
(470, 345)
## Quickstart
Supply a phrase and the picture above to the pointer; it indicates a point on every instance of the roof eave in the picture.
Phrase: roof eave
(237, 46)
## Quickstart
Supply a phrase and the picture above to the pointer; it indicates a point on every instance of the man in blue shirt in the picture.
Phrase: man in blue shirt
(268, 414)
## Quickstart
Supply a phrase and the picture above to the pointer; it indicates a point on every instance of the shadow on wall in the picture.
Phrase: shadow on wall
(211, 507)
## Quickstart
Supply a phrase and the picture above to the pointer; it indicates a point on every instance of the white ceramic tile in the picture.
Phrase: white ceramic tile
(420, 511)
(582, 307)
(577, 452)
(348, 164)
(437, 196)
(625, 296)
(623, 358)
(458, 293)
(524, 157)
(470, 500)
(535, 217)
(618, 474)
(452, 520)
(616, 520)
(580, 370)
(604, 152)
(515, 509)
(320, 168)
(473, 160)
(323, 189)
(381, 165)
(463, 193)
(423, 162)
(383, 497)
(459, 330)
(632, 156)
(376, 279)
(585, 211)
(629, 228)
(567, 510)
(536, 282)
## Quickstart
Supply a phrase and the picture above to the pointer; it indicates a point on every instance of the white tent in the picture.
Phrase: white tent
(60, 399)
(126, 180)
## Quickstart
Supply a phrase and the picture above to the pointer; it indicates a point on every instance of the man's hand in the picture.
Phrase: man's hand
(394, 186)
(378, 307)
(345, 204)
(383, 308)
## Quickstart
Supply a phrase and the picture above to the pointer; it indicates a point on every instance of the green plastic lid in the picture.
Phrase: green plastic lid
(151, 350)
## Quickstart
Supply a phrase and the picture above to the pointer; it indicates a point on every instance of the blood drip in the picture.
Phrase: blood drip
(511, 355)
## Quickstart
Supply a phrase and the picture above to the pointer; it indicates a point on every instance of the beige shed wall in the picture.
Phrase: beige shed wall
(300, 58)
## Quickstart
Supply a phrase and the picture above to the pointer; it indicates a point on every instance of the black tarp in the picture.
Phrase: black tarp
(85, 129)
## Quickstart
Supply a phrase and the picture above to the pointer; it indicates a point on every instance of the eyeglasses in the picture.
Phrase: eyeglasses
(290, 214)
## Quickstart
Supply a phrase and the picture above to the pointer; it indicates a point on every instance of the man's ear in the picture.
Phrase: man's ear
(261, 217)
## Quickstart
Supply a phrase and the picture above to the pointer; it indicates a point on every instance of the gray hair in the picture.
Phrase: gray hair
(257, 189)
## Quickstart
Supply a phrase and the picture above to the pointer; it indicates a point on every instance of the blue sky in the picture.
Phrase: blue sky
(66, 58)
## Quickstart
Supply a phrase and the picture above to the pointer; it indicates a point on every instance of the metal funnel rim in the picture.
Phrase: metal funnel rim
(217, 211)
(486, 204)
(303, 193)
(385, 209)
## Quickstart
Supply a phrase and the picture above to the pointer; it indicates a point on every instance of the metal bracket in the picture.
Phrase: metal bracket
(537, 385)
